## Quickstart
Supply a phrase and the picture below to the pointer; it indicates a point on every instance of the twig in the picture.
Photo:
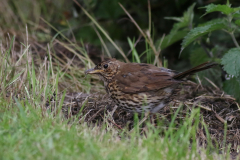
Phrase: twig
(200, 82)
(212, 83)
(115, 124)
(216, 97)
(219, 118)
(201, 106)
(95, 114)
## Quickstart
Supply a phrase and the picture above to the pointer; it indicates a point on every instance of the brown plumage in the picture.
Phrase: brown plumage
(140, 87)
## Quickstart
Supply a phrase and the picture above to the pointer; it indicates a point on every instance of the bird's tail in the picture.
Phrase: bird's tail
(196, 69)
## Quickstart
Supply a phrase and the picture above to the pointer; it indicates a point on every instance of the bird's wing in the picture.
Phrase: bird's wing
(137, 77)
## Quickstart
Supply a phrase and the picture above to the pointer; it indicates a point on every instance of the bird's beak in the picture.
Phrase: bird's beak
(93, 71)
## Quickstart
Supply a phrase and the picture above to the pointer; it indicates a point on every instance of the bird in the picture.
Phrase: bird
(141, 87)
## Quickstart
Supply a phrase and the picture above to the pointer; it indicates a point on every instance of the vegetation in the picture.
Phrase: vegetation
(47, 45)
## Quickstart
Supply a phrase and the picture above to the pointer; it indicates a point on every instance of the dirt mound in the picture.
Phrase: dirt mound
(218, 111)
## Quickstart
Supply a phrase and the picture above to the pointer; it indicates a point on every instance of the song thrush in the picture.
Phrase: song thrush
(140, 87)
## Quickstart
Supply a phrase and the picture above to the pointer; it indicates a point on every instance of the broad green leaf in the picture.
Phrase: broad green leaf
(187, 15)
(168, 40)
(231, 62)
(232, 87)
(183, 22)
(197, 32)
(236, 14)
(225, 9)
(213, 21)
(237, 22)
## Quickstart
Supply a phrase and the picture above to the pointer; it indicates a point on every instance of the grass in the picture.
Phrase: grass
(26, 134)
(29, 129)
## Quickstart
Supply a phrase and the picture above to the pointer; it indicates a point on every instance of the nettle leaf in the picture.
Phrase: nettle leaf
(236, 14)
(197, 32)
(187, 16)
(217, 20)
(168, 40)
(231, 62)
(232, 87)
(225, 9)
(182, 22)
(237, 22)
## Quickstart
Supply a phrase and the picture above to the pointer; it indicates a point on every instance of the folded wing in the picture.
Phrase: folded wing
(137, 77)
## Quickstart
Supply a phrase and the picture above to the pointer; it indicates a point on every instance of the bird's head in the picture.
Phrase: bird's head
(105, 70)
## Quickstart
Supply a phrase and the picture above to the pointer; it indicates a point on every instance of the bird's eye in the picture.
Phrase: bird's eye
(105, 66)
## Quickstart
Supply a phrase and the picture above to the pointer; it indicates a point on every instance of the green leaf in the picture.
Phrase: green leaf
(225, 9)
(168, 40)
(213, 21)
(187, 15)
(237, 22)
(183, 22)
(232, 87)
(236, 14)
(197, 32)
(231, 62)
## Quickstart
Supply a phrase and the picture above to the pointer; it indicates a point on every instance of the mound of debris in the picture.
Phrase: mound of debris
(218, 110)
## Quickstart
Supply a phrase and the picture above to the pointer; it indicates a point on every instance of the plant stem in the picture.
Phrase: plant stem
(229, 18)
(234, 39)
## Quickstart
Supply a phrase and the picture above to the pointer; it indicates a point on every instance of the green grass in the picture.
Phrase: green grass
(26, 134)
(28, 130)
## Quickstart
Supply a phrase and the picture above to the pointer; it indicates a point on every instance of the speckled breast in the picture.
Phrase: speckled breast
(139, 102)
